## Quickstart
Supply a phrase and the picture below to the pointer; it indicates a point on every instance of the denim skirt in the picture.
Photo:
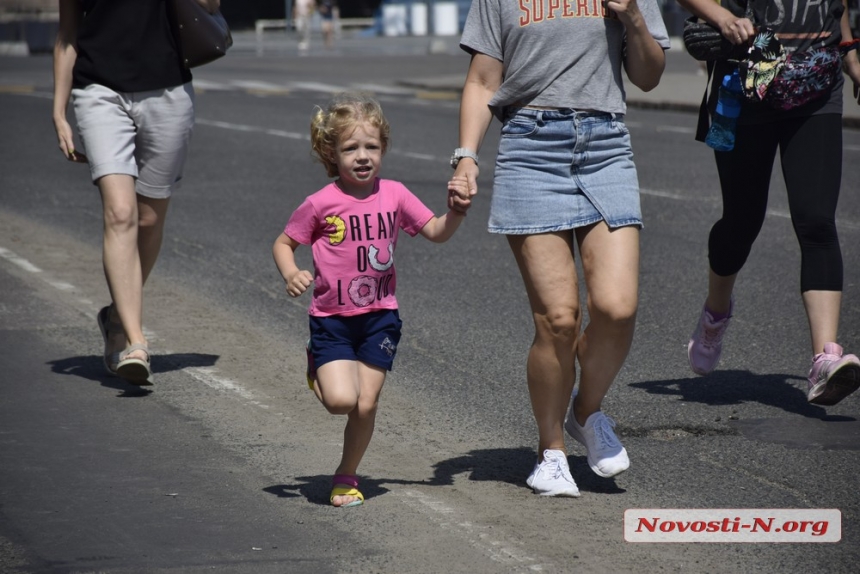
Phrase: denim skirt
(562, 169)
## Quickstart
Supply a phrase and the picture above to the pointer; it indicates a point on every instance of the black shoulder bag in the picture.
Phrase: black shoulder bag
(705, 43)
(202, 37)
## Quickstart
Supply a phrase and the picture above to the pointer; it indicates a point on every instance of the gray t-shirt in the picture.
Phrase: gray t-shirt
(559, 54)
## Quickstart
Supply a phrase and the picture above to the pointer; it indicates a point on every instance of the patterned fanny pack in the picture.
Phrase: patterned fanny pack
(786, 81)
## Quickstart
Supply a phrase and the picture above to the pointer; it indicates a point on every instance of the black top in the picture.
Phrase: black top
(127, 46)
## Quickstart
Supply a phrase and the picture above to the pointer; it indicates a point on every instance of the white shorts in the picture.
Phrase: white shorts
(141, 134)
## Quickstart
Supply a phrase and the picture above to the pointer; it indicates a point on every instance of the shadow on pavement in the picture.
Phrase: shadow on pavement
(818, 430)
(512, 466)
(508, 465)
(316, 489)
(90, 367)
(736, 387)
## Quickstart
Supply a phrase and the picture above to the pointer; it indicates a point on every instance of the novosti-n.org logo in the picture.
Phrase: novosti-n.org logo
(732, 525)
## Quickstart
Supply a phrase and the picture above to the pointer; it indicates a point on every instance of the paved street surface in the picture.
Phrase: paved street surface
(224, 464)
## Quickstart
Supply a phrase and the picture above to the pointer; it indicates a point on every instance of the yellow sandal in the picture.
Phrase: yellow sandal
(346, 485)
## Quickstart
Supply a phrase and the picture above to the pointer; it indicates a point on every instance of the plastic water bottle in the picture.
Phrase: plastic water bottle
(721, 136)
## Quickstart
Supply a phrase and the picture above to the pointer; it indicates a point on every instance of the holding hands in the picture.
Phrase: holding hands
(460, 193)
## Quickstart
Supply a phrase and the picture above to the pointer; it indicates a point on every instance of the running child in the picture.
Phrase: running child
(352, 227)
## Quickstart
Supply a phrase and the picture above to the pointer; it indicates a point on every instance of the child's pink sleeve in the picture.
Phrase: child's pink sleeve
(302, 223)
(414, 214)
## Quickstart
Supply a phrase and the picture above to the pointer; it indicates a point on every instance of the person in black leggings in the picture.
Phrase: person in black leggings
(809, 140)
(810, 151)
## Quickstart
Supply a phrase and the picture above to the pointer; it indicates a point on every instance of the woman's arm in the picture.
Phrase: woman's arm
(482, 82)
(297, 280)
(645, 59)
(850, 61)
(440, 229)
(735, 29)
(65, 54)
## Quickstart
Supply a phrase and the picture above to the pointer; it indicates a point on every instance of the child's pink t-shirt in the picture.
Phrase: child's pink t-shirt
(352, 241)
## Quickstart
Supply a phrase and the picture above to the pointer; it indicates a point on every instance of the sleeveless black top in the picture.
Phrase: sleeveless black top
(127, 46)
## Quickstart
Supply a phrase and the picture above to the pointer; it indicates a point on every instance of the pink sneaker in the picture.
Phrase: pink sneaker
(833, 376)
(706, 344)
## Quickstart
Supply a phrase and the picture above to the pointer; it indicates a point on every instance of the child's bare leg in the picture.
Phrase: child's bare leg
(351, 388)
(337, 386)
(361, 420)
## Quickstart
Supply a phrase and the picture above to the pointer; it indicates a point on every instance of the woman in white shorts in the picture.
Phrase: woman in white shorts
(134, 108)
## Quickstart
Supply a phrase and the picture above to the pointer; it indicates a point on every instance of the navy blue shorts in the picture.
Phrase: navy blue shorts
(371, 338)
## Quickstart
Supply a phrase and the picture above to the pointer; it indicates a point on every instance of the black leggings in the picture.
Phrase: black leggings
(811, 156)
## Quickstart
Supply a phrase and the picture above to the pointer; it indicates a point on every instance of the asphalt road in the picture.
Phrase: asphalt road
(224, 465)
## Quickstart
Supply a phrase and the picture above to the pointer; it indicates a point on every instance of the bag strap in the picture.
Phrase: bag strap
(704, 117)
(704, 122)
(749, 12)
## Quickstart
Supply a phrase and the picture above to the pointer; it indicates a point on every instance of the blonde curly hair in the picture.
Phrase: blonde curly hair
(342, 115)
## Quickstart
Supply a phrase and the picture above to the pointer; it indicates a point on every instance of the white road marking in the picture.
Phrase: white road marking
(667, 194)
(61, 285)
(380, 89)
(255, 85)
(20, 262)
(423, 156)
(676, 129)
(317, 87)
(476, 535)
(206, 375)
(213, 86)
(252, 129)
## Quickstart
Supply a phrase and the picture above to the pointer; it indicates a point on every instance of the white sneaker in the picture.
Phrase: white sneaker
(551, 476)
(606, 456)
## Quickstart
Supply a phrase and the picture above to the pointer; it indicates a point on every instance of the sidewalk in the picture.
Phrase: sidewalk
(681, 87)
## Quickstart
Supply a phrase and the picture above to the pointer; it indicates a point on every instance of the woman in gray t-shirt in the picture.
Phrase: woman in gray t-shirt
(564, 175)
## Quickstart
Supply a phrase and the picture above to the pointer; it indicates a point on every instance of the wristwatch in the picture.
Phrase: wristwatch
(462, 152)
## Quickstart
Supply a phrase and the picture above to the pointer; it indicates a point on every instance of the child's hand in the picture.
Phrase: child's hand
(299, 282)
(459, 194)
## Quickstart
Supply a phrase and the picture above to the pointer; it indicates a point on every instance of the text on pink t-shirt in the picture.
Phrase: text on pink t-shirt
(353, 241)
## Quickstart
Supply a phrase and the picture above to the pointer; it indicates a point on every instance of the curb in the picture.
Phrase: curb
(20, 49)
